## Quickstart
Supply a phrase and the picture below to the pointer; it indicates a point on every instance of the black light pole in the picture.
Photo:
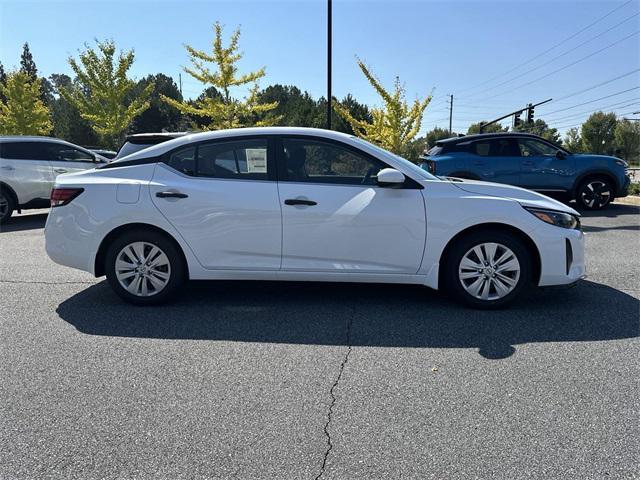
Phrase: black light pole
(329, 65)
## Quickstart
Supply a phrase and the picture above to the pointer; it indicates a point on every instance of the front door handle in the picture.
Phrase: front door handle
(299, 201)
(60, 170)
(7, 167)
(171, 195)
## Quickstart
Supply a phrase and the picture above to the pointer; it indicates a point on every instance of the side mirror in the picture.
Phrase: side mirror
(390, 178)
(560, 155)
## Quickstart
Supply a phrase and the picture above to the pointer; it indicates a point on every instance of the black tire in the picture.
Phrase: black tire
(595, 193)
(7, 205)
(454, 286)
(177, 270)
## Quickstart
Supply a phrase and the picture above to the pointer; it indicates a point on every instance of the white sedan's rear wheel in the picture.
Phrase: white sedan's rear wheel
(144, 267)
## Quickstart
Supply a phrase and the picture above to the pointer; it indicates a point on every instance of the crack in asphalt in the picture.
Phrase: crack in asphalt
(333, 400)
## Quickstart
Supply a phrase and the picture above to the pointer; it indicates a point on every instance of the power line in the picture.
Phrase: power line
(556, 57)
(566, 66)
(606, 82)
(553, 47)
(580, 123)
(634, 101)
(592, 101)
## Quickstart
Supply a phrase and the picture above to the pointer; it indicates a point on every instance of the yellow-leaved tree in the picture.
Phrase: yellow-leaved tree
(223, 110)
(396, 124)
(21, 109)
(102, 91)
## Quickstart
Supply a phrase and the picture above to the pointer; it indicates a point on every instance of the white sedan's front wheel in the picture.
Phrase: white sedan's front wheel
(487, 269)
(144, 267)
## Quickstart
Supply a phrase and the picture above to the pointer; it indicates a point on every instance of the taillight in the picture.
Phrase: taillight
(62, 196)
(432, 167)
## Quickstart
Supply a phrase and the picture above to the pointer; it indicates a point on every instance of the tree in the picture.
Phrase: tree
(67, 122)
(23, 113)
(539, 127)
(436, 134)
(27, 65)
(493, 128)
(396, 124)
(102, 91)
(227, 111)
(598, 132)
(627, 140)
(160, 115)
(572, 140)
(3, 81)
(293, 107)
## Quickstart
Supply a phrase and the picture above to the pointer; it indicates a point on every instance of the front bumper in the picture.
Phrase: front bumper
(624, 189)
(562, 260)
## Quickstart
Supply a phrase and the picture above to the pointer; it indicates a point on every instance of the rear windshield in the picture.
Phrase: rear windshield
(437, 150)
(128, 148)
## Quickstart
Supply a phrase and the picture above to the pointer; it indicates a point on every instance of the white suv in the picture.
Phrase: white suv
(29, 167)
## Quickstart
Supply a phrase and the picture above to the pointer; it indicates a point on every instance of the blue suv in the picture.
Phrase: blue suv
(531, 162)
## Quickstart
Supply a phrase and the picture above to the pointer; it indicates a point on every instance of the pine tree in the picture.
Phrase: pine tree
(22, 112)
(27, 65)
(396, 124)
(225, 111)
(3, 81)
(102, 92)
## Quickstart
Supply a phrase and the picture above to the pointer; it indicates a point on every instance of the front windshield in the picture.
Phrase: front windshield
(421, 173)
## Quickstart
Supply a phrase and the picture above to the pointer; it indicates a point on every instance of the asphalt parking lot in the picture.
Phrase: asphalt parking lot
(300, 381)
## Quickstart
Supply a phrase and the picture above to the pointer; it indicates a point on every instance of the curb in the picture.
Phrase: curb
(630, 200)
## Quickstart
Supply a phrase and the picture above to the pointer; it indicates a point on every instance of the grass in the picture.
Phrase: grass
(634, 189)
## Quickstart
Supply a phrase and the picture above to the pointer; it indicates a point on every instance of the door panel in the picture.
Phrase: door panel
(496, 160)
(352, 229)
(542, 169)
(26, 170)
(229, 223)
(67, 159)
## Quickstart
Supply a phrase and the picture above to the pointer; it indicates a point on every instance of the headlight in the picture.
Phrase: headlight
(559, 219)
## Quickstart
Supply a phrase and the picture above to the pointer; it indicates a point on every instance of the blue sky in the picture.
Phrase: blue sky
(467, 48)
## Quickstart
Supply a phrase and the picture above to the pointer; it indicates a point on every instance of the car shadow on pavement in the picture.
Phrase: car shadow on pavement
(24, 222)
(358, 315)
(612, 210)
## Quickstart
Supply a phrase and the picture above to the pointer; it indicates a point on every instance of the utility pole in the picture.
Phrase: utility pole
(329, 97)
(180, 82)
(450, 115)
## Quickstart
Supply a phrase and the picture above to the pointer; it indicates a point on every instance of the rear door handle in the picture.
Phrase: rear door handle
(527, 163)
(60, 170)
(299, 201)
(7, 167)
(171, 195)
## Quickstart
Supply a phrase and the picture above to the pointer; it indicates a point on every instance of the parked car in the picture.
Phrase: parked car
(29, 167)
(532, 162)
(108, 154)
(140, 141)
(304, 204)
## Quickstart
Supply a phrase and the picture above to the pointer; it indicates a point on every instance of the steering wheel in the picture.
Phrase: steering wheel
(368, 175)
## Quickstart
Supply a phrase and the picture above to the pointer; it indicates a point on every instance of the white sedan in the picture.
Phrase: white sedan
(303, 204)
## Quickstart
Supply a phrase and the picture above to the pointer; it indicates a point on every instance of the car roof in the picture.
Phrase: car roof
(163, 147)
(143, 138)
(484, 136)
(32, 138)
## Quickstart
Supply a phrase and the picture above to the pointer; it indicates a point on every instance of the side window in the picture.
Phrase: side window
(530, 148)
(64, 153)
(481, 148)
(504, 147)
(243, 159)
(315, 161)
(22, 151)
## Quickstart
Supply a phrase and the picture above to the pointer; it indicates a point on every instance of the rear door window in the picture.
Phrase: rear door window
(22, 150)
(496, 147)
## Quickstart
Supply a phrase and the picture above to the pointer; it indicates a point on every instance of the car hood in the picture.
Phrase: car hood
(524, 197)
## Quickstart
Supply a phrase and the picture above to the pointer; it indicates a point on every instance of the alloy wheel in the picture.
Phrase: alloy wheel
(596, 194)
(142, 269)
(489, 271)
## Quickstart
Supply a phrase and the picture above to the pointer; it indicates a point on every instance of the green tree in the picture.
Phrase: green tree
(393, 126)
(598, 132)
(436, 134)
(539, 127)
(3, 81)
(101, 91)
(160, 115)
(294, 108)
(27, 65)
(227, 111)
(627, 140)
(23, 113)
(572, 140)
(493, 128)
(67, 122)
